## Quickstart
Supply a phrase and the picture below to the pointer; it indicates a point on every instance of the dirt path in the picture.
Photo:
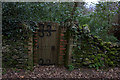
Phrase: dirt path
(62, 72)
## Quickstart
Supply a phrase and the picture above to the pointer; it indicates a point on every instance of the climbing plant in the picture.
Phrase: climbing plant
(15, 12)
(91, 51)
(19, 20)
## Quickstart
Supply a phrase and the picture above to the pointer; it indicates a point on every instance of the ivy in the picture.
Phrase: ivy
(92, 52)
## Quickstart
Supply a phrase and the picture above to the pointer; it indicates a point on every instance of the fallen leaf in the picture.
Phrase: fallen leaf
(21, 76)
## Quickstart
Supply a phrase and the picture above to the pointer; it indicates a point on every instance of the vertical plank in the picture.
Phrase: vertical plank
(70, 50)
(67, 51)
(48, 45)
(58, 43)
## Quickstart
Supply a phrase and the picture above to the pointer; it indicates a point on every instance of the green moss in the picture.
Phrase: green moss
(80, 27)
(111, 63)
(92, 56)
(107, 49)
(113, 49)
(96, 53)
(112, 53)
(100, 40)
(101, 44)
(95, 37)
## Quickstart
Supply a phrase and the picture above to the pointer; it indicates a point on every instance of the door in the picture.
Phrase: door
(47, 45)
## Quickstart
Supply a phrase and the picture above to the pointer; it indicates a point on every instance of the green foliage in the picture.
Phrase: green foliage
(70, 67)
(14, 13)
(16, 54)
(59, 12)
(4, 71)
(97, 65)
(102, 19)
(92, 52)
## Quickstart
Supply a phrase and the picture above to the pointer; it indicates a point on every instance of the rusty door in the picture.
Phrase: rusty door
(47, 43)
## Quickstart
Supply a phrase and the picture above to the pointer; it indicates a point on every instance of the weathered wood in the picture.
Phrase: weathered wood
(47, 43)
(70, 50)
(67, 51)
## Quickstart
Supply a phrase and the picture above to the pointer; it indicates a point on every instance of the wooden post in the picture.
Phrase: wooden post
(67, 51)
(70, 50)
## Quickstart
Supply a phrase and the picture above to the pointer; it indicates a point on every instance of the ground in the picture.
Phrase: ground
(61, 72)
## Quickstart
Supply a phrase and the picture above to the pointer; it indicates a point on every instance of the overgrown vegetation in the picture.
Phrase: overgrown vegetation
(93, 52)
(15, 52)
